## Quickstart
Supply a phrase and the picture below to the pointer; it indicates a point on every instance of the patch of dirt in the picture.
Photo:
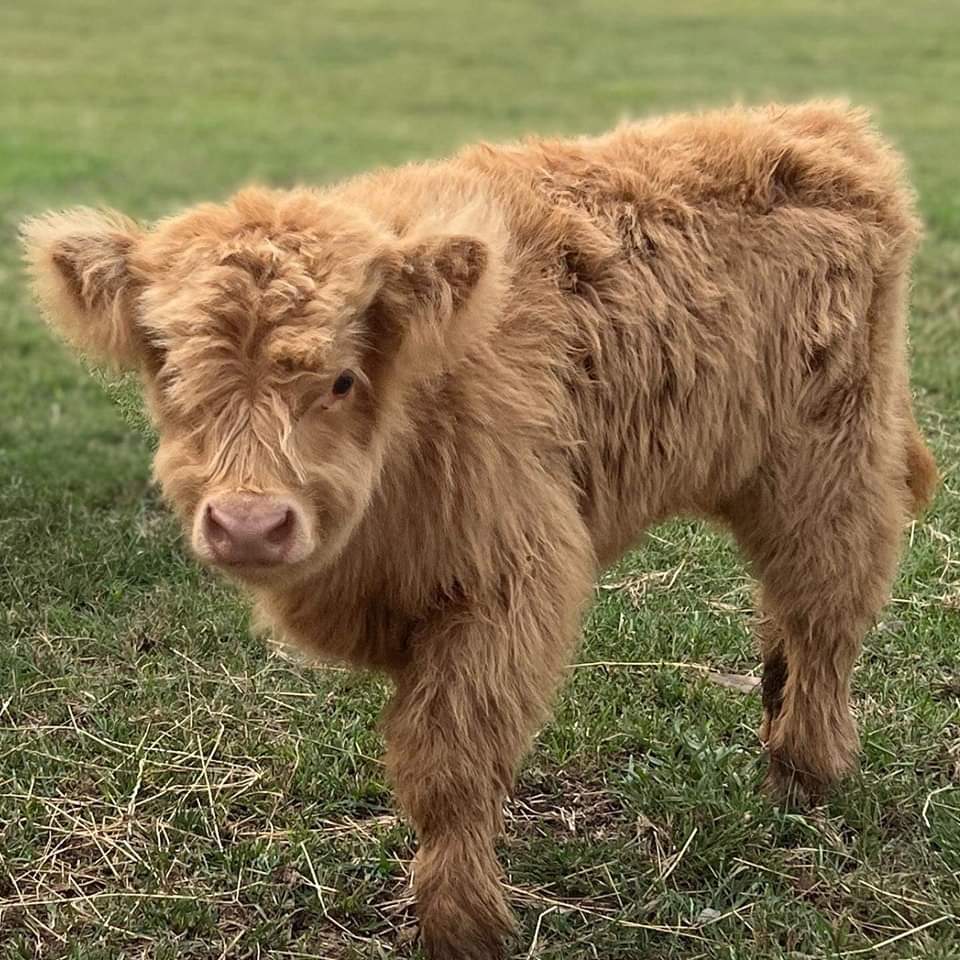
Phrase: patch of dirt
(569, 803)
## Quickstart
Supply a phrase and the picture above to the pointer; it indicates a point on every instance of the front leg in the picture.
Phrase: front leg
(478, 684)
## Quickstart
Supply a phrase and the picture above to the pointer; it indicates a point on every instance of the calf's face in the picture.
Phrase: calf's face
(276, 338)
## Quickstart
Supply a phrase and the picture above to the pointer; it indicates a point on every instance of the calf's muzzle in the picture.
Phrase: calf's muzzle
(250, 529)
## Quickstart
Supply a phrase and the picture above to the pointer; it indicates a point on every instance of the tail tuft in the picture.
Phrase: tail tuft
(922, 476)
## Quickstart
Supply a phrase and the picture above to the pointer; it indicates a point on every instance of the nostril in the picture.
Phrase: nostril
(282, 530)
(213, 522)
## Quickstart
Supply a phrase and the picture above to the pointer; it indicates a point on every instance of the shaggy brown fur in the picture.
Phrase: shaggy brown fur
(555, 345)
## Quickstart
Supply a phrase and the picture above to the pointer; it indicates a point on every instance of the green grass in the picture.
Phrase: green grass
(171, 789)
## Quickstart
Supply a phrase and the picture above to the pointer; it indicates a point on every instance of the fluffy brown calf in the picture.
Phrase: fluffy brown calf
(416, 413)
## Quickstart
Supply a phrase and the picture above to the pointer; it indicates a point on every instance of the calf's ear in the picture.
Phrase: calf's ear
(80, 265)
(435, 295)
(437, 276)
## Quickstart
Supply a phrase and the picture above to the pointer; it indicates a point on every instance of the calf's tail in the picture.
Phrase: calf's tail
(922, 477)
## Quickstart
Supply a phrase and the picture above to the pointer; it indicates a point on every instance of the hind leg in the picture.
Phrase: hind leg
(808, 729)
(823, 535)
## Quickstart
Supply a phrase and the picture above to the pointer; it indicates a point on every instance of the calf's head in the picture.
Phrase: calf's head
(277, 337)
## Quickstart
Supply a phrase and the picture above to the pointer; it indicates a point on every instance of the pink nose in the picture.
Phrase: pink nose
(244, 528)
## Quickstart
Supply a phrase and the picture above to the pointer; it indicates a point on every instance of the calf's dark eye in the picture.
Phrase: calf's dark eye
(343, 383)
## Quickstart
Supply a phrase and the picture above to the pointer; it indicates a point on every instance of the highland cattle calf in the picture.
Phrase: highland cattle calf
(415, 414)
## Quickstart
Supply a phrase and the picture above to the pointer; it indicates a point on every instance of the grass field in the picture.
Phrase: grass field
(171, 789)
